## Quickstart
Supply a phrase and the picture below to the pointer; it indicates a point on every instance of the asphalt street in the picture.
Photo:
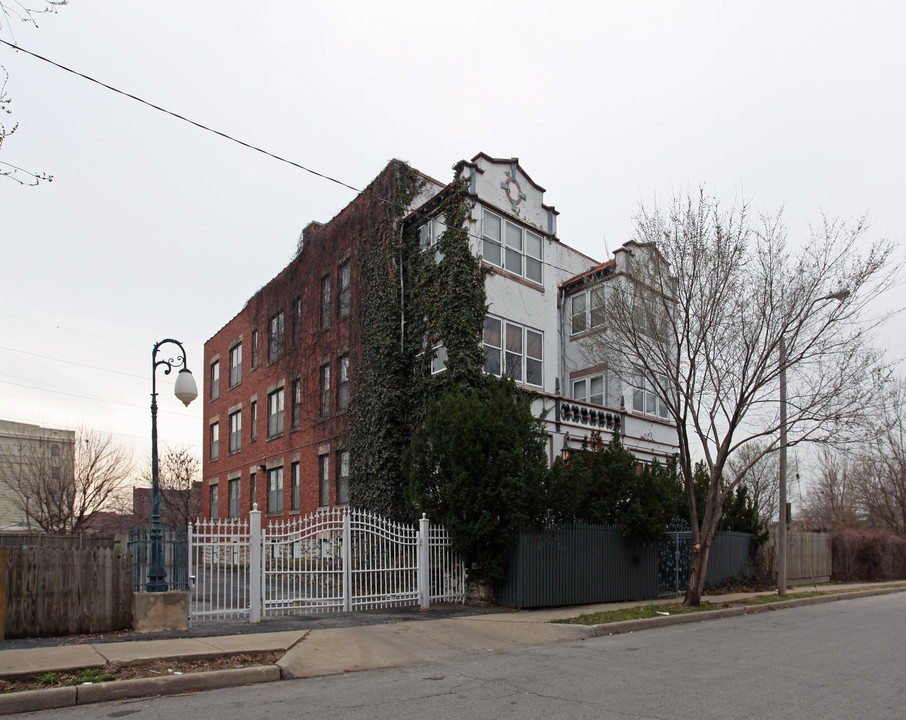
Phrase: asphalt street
(836, 660)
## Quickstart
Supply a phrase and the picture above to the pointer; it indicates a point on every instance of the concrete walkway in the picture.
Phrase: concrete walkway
(309, 653)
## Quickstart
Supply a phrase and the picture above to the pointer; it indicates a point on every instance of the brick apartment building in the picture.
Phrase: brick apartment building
(281, 373)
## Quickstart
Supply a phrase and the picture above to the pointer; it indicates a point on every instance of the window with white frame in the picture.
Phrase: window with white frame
(236, 431)
(429, 233)
(587, 310)
(325, 389)
(438, 359)
(516, 249)
(215, 380)
(324, 480)
(212, 496)
(254, 348)
(215, 440)
(253, 412)
(235, 364)
(579, 312)
(275, 490)
(344, 296)
(276, 336)
(342, 383)
(645, 399)
(513, 350)
(297, 403)
(275, 413)
(325, 301)
(297, 321)
(234, 489)
(294, 485)
(343, 477)
(603, 389)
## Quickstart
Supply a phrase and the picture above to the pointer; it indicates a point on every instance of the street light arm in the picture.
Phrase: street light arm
(178, 361)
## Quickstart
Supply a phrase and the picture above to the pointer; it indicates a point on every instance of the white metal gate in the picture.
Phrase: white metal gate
(339, 559)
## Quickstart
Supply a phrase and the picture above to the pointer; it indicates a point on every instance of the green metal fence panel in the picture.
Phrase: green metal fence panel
(582, 564)
(575, 565)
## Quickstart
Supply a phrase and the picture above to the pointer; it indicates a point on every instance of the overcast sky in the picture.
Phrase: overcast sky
(153, 228)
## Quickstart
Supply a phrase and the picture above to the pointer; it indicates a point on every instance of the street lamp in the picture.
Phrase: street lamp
(186, 391)
(839, 296)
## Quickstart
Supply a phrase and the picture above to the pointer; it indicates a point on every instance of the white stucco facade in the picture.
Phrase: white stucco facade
(530, 297)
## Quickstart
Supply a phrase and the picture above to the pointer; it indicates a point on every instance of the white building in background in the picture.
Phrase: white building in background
(29, 453)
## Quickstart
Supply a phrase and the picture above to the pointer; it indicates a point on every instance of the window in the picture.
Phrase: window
(534, 351)
(587, 310)
(253, 488)
(325, 301)
(294, 481)
(254, 348)
(297, 403)
(277, 329)
(215, 380)
(236, 431)
(438, 359)
(342, 383)
(234, 497)
(275, 413)
(55, 473)
(325, 390)
(596, 300)
(235, 365)
(344, 296)
(645, 399)
(590, 390)
(491, 345)
(515, 249)
(520, 357)
(215, 440)
(253, 412)
(324, 480)
(212, 494)
(275, 490)
(579, 314)
(430, 232)
(297, 322)
(343, 477)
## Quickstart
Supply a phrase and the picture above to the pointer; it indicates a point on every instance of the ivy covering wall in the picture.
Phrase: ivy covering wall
(413, 298)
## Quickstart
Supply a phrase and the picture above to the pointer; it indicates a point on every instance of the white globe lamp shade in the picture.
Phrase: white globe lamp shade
(185, 388)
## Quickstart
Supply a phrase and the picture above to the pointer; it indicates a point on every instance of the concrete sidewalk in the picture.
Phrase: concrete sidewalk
(316, 652)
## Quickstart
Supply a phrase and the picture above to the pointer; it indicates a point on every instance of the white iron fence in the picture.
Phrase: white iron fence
(339, 559)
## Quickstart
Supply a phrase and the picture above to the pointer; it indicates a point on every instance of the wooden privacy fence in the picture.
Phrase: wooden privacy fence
(66, 591)
(808, 555)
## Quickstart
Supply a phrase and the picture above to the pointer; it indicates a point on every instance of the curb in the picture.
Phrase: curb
(31, 700)
(60, 697)
(626, 626)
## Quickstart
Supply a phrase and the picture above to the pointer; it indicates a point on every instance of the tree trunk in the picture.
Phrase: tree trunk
(698, 569)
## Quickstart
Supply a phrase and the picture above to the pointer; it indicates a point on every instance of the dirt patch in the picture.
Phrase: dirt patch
(154, 668)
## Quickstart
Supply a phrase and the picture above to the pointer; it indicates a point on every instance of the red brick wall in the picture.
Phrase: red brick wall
(324, 249)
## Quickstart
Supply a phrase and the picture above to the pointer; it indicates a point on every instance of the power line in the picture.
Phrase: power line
(182, 117)
(229, 137)
(77, 332)
(91, 397)
(73, 362)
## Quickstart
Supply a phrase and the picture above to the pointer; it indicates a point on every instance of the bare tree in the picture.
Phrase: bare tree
(881, 478)
(25, 11)
(180, 487)
(700, 318)
(60, 492)
(760, 475)
(834, 496)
